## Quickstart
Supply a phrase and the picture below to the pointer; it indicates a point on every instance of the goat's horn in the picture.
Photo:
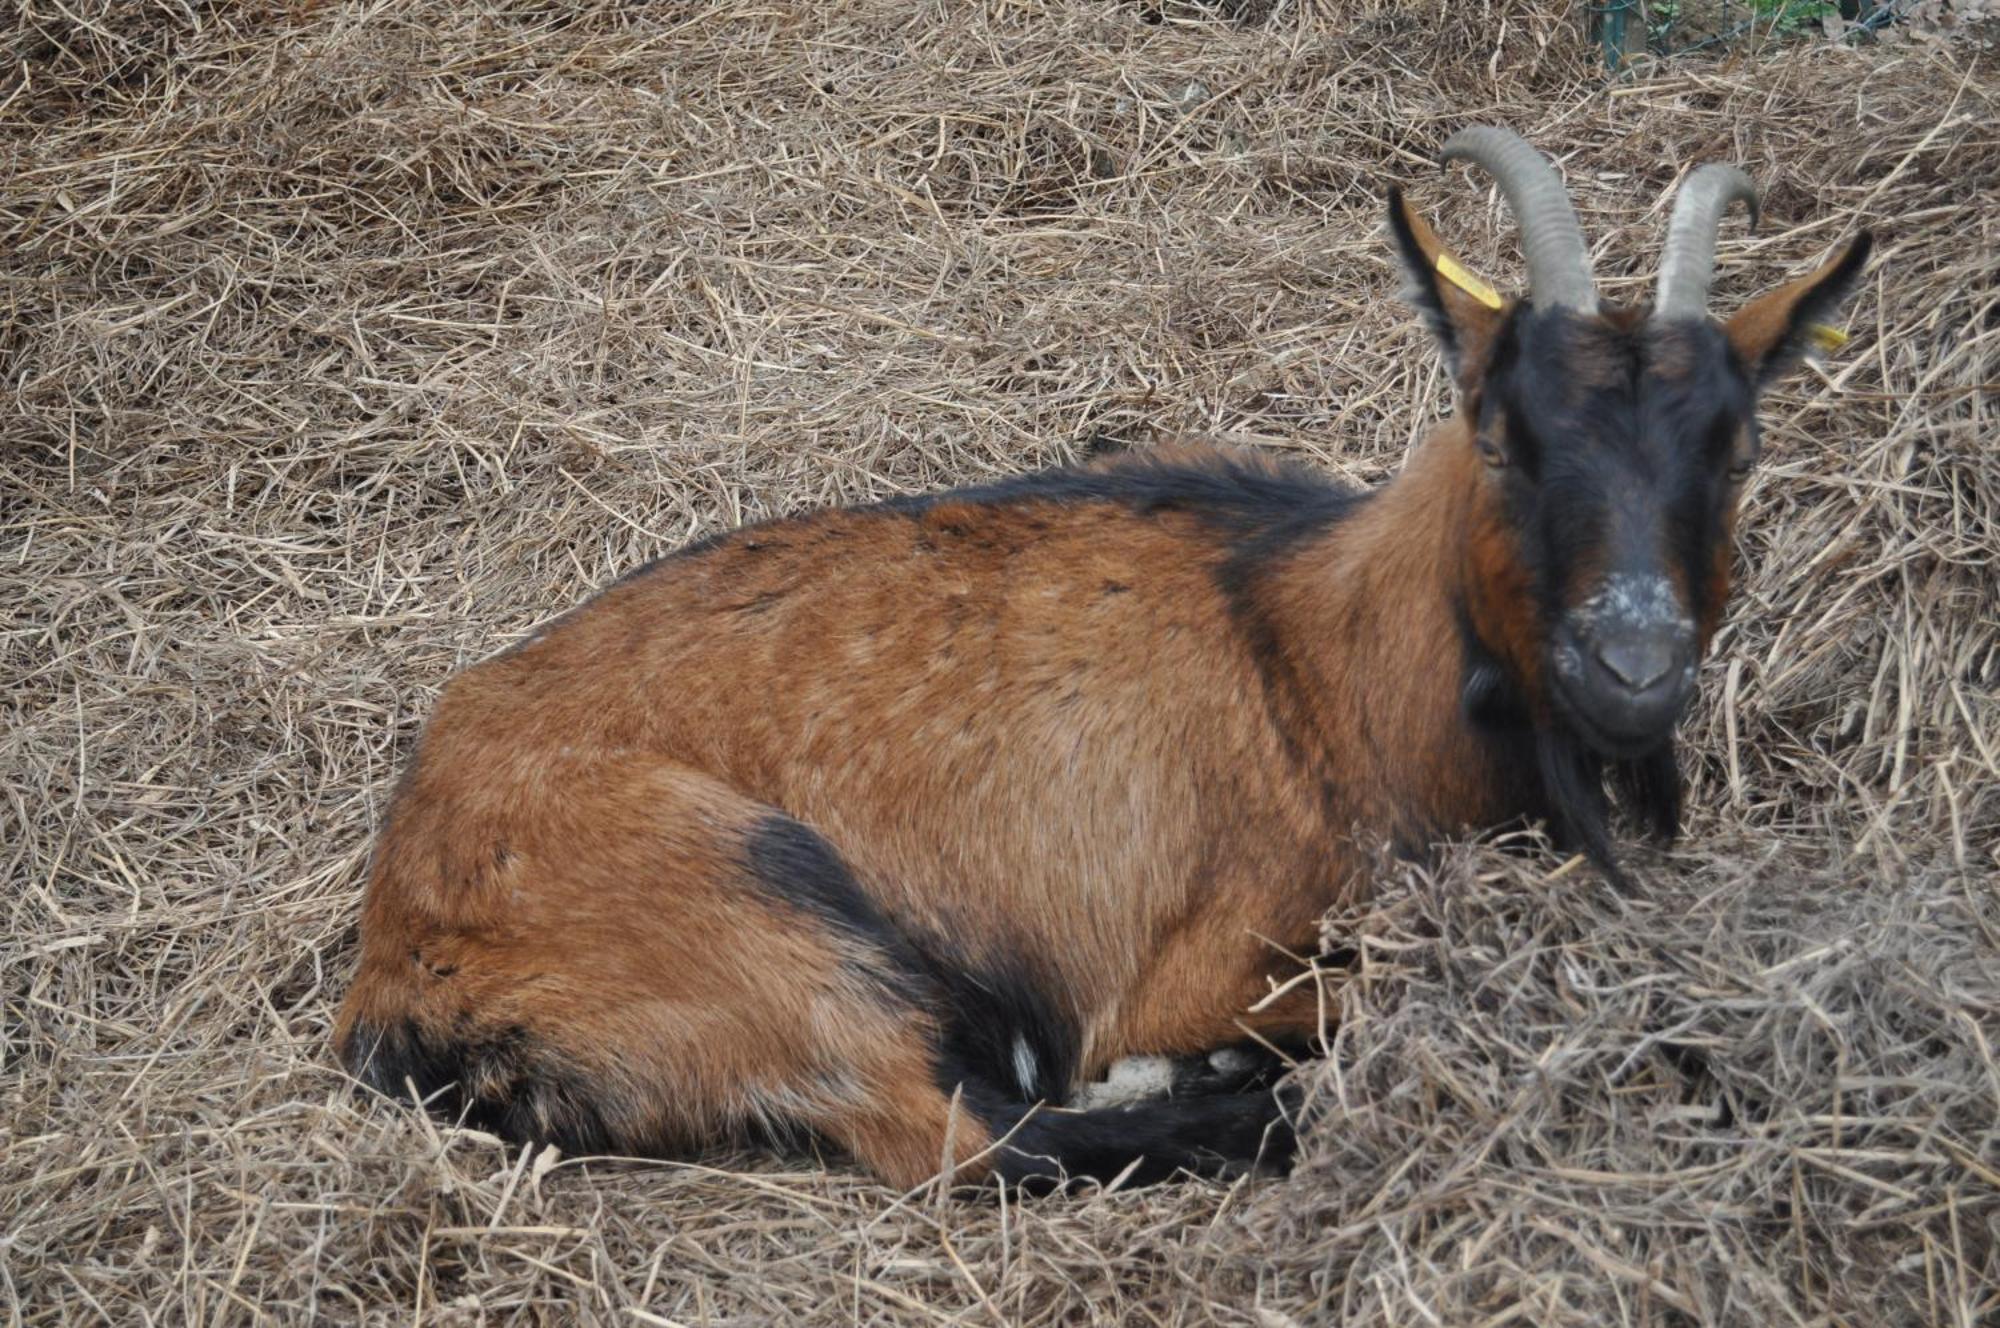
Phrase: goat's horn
(1558, 263)
(1688, 264)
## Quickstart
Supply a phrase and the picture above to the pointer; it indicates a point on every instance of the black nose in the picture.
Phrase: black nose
(1625, 682)
(1639, 661)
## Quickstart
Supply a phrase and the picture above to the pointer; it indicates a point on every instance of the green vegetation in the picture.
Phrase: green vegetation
(1792, 15)
(1675, 25)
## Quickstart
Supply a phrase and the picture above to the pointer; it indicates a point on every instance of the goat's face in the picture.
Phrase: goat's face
(1611, 451)
(1609, 447)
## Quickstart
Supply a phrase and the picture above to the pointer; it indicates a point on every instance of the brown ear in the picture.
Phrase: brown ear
(1773, 330)
(1463, 312)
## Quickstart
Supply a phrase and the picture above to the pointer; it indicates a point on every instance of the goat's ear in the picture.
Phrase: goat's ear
(1775, 329)
(1463, 311)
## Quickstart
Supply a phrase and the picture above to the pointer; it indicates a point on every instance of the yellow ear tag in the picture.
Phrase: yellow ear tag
(1453, 271)
(1824, 338)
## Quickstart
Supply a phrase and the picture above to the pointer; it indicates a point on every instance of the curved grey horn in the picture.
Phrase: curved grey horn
(1688, 264)
(1558, 263)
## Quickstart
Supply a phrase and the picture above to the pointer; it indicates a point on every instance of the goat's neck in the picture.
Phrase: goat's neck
(1368, 617)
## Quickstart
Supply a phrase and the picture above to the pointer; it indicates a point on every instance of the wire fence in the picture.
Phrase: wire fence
(1626, 30)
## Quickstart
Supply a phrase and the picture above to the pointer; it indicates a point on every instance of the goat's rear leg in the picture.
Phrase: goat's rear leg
(647, 970)
(1237, 1068)
(668, 964)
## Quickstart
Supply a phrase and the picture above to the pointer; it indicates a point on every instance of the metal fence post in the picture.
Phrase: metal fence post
(1619, 27)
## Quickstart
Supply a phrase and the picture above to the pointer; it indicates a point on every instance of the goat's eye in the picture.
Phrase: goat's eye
(1727, 437)
(1491, 453)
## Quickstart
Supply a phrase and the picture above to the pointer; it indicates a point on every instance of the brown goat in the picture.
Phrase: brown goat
(887, 825)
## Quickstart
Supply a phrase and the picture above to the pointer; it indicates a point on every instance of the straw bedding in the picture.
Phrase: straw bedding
(343, 343)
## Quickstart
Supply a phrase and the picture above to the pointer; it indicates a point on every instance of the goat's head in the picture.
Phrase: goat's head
(1608, 445)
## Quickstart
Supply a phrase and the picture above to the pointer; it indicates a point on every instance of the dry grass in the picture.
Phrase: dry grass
(345, 342)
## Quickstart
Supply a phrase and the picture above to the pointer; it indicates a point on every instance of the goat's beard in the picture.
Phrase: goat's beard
(1573, 773)
(1579, 810)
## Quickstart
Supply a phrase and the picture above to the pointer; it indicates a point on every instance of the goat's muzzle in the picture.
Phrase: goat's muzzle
(1624, 666)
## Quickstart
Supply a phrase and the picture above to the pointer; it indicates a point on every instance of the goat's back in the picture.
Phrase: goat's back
(1030, 717)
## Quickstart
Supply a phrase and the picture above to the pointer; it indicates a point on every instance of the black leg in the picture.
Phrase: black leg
(1215, 1135)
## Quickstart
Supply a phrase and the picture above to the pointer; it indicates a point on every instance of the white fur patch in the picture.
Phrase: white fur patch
(1134, 1079)
(1635, 601)
(1568, 662)
(1231, 1061)
(1024, 1067)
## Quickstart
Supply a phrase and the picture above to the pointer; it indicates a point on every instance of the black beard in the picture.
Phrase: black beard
(1579, 812)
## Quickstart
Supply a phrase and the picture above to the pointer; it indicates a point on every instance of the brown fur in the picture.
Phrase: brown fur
(1051, 733)
(1016, 728)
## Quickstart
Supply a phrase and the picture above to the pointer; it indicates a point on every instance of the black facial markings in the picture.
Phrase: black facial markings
(1621, 426)
(1496, 418)
(1608, 418)
(1621, 436)
(1693, 416)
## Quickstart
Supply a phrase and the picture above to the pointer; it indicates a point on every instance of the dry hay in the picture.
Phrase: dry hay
(347, 341)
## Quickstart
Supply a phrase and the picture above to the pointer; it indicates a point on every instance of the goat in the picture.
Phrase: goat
(888, 826)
